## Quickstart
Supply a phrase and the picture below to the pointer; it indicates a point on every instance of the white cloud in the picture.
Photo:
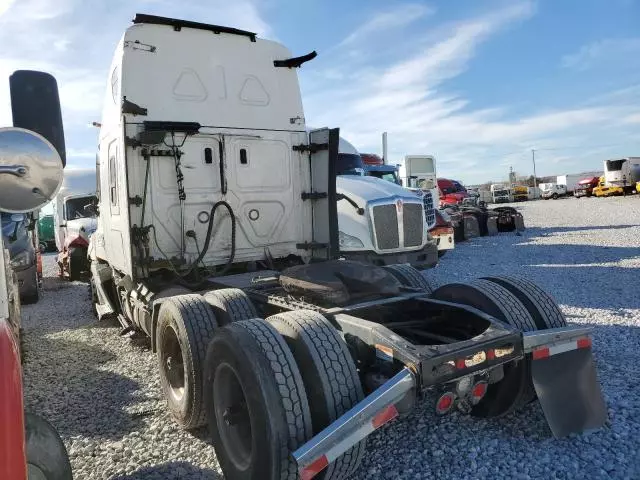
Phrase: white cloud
(399, 16)
(603, 51)
(408, 98)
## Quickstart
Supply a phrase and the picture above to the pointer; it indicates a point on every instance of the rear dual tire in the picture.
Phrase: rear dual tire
(521, 304)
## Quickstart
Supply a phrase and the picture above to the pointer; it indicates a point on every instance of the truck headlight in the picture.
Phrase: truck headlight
(21, 260)
(348, 241)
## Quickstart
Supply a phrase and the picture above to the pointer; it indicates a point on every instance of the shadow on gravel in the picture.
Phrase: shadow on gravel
(170, 470)
(91, 402)
(538, 231)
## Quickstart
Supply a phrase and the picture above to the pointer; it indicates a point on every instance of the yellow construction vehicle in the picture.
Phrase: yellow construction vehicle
(604, 190)
(520, 193)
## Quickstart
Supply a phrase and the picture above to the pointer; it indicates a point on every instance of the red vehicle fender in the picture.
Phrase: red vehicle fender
(13, 461)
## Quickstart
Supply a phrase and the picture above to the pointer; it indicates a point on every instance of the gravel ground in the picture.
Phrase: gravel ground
(103, 395)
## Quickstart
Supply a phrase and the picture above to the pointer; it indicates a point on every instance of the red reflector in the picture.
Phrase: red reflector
(384, 416)
(479, 389)
(584, 342)
(444, 404)
(491, 355)
(460, 364)
(314, 468)
(541, 353)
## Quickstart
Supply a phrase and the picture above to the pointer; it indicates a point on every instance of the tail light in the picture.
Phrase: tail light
(445, 403)
(478, 391)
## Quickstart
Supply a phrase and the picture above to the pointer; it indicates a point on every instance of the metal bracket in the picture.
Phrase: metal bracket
(132, 142)
(160, 152)
(311, 148)
(137, 200)
(311, 246)
(132, 108)
(313, 195)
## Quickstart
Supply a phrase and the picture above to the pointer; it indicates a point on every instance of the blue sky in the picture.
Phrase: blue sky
(476, 83)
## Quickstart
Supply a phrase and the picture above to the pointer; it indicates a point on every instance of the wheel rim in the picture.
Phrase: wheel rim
(173, 363)
(232, 416)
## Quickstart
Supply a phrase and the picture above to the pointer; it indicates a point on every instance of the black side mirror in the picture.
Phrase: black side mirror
(35, 105)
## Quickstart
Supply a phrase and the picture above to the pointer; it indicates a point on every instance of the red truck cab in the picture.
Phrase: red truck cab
(585, 187)
(451, 192)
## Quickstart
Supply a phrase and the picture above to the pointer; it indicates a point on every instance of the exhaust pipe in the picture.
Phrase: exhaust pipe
(385, 158)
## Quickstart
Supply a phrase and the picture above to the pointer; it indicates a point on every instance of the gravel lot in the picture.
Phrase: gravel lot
(103, 395)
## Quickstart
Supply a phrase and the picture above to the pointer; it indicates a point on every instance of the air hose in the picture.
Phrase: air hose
(207, 239)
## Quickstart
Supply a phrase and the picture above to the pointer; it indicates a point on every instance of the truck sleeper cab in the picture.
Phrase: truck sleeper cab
(242, 315)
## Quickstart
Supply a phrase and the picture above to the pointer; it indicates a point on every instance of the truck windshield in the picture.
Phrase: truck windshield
(75, 207)
(614, 165)
(499, 193)
(388, 176)
(349, 164)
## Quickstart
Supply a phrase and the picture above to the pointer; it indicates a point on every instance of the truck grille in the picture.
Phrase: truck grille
(413, 224)
(429, 210)
(385, 220)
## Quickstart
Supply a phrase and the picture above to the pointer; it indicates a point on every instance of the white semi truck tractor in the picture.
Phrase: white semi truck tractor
(218, 237)
(380, 222)
(75, 221)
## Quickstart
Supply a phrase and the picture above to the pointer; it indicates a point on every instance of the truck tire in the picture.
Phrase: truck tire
(515, 389)
(75, 269)
(186, 324)
(47, 457)
(554, 196)
(409, 276)
(257, 408)
(230, 305)
(543, 308)
(33, 294)
(329, 375)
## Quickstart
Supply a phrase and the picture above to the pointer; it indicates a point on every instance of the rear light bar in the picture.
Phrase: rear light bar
(546, 352)
(475, 359)
(438, 230)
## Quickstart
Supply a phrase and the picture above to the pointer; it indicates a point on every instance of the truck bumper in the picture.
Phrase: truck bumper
(425, 258)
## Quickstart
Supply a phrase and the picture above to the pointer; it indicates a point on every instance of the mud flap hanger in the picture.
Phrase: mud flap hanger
(565, 380)
(360, 421)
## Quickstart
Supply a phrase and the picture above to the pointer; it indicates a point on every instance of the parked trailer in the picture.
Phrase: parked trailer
(291, 363)
(622, 173)
(569, 181)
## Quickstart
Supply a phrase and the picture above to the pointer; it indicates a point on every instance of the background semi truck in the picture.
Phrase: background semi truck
(368, 208)
(75, 221)
(215, 266)
(500, 193)
(569, 181)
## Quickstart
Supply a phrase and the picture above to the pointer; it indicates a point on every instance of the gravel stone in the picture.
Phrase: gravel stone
(102, 391)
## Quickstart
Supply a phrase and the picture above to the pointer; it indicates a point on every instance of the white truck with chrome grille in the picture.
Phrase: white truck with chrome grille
(380, 222)
(218, 238)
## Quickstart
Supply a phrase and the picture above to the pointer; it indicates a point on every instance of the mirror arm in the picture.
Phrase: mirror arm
(17, 170)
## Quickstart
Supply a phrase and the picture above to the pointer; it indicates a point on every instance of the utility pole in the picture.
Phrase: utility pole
(533, 157)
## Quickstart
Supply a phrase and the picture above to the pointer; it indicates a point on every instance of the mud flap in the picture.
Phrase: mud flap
(492, 225)
(518, 220)
(471, 227)
(569, 392)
